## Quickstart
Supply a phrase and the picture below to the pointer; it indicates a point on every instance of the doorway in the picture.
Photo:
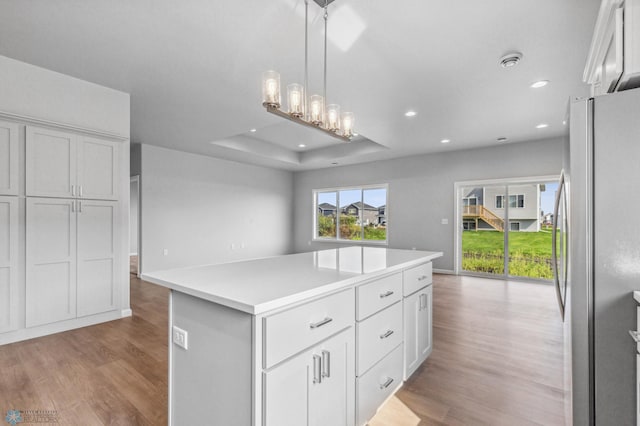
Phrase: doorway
(504, 227)
(134, 228)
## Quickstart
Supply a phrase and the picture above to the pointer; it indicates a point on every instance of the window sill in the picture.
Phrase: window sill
(351, 242)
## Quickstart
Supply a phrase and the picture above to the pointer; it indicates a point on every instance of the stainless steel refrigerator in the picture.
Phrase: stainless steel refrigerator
(602, 178)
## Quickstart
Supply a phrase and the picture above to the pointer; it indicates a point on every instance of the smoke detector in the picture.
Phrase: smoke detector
(510, 59)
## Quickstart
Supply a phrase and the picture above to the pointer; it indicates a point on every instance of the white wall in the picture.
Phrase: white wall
(421, 190)
(36, 92)
(197, 207)
(133, 216)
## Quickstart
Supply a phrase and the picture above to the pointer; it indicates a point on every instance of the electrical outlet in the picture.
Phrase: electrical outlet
(165, 252)
(445, 221)
(180, 337)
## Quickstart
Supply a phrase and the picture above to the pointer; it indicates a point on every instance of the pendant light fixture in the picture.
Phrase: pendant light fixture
(308, 111)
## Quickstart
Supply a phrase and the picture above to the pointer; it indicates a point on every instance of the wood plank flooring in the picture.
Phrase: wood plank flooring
(497, 360)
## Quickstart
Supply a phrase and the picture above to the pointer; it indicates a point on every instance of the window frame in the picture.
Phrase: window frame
(337, 190)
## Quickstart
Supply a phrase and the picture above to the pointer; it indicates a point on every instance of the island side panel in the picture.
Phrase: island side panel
(211, 381)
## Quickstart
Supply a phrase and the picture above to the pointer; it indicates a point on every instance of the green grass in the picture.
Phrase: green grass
(529, 253)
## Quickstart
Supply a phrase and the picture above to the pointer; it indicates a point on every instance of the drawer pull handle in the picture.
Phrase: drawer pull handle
(387, 334)
(635, 335)
(326, 364)
(387, 383)
(317, 369)
(387, 294)
(422, 278)
(321, 323)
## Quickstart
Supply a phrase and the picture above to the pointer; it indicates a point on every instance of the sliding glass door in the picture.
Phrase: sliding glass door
(505, 229)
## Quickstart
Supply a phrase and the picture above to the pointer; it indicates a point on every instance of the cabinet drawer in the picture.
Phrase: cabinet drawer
(416, 278)
(289, 332)
(378, 335)
(378, 384)
(377, 295)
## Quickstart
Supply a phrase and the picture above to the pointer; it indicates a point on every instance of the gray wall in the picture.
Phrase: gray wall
(133, 217)
(421, 190)
(205, 210)
(135, 159)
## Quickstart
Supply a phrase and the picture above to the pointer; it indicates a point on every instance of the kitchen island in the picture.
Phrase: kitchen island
(317, 338)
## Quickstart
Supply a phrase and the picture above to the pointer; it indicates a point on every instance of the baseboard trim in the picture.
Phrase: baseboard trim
(126, 313)
(444, 271)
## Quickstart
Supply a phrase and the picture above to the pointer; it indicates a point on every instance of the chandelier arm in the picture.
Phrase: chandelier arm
(326, 16)
(306, 58)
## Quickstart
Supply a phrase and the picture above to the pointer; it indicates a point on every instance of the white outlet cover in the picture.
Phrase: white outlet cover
(445, 221)
(180, 337)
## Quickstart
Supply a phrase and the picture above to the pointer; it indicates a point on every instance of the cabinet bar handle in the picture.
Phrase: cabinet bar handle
(73, 190)
(635, 335)
(422, 278)
(321, 323)
(387, 383)
(80, 191)
(79, 206)
(317, 373)
(387, 334)
(73, 206)
(326, 364)
(422, 302)
(387, 294)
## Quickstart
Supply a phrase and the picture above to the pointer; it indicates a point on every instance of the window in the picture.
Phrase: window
(515, 201)
(514, 226)
(351, 214)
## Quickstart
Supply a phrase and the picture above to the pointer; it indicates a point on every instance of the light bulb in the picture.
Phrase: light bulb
(333, 117)
(316, 110)
(295, 95)
(271, 89)
(347, 124)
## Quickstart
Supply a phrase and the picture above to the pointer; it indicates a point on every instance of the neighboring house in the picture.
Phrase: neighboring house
(369, 213)
(382, 215)
(547, 219)
(326, 209)
(484, 208)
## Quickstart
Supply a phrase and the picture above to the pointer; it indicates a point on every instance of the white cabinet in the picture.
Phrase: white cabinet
(8, 263)
(67, 165)
(51, 261)
(70, 261)
(417, 329)
(614, 58)
(8, 158)
(314, 388)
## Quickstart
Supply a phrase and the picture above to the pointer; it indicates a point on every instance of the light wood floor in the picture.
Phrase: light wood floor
(497, 360)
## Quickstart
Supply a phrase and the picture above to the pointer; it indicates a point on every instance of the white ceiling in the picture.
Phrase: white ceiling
(193, 69)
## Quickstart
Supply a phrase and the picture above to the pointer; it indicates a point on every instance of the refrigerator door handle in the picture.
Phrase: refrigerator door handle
(554, 251)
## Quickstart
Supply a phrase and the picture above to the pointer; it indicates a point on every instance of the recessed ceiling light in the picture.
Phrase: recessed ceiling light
(542, 126)
(445, 141)
(253, 130)
(510, 59)
(501, 139)
(410, 113)
(302, 145)
(539, 83)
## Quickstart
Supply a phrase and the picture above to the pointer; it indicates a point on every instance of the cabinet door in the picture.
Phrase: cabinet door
(412, 309)
(417, 329)
(425, 327)
(8, 263)
(98, 169)
(332, 384)
(286, 395)
(50, 260)
(315, 388)
(50, 163)
(8, 158)
(97, 231)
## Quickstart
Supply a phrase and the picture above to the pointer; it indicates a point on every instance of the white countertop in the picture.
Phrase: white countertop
(261, 285)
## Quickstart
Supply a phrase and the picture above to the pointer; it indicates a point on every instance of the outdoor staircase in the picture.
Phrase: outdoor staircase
(480, 212)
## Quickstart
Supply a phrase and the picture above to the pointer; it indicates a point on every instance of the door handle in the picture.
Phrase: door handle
(554, 251)
(317, 369)
(387, 334)
(326, 364)
(321, 323)
(387, 383)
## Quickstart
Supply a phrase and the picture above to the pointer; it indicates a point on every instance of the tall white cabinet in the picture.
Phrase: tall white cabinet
(8, 263)
(66, 216)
